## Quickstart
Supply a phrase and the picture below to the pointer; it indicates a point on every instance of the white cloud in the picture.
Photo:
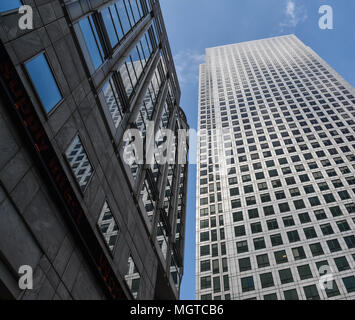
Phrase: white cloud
(294, 14)
(187, 66)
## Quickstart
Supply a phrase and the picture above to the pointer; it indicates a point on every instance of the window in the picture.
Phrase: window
(350, 241)
(244, 264)
(271, 296)
(239, 231)
(320, 214)
(256, 227)
(310, 233)
(262, 260)
(276, 240)
(293, 236)
(285, 276)
(259, 243)
(204, 236)
(280, 256)
(298, 253)
(7, 5)
(272, 224)
(44, 82)
(305, 272)
(269, 210)
(284, 207)
(205, 282)
(112, 101)
(132, 277)
(266, 280)
(311, 292)
(108, 226)
(205, 265)
(342, 263)
(79, 162)
(237, 216)
(247, 284)
(119, 18)
(316, 249)
(343, 226)
(304, 217)
(242, 246)
(93, 41)
(299, 204)
(131, 70)
(216, 284)
(333, 245)
(326, 229)
(204, 250)
(349, 283)
(288, 221)
(291, 294)
(253, 213)
(333, 290)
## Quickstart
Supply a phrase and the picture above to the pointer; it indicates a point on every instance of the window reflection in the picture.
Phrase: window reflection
(132, 277)
(113, 101)
(108, 227)
(79, 162)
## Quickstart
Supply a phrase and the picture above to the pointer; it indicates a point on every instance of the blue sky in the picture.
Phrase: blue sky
(194, 25)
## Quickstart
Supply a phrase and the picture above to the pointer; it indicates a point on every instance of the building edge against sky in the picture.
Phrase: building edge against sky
(89, 225)
(275, 192)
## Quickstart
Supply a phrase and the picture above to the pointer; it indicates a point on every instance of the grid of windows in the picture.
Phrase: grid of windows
(283, 154)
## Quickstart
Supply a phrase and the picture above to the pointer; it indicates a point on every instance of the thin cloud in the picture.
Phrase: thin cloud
(294, 15)
(187, 66)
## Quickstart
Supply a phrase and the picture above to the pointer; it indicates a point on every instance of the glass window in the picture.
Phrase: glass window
(349, 283)
(242, 246)
(286, 276)
(259, 243)
(280, 256)
(108, 226)
(131, 70)
(244, 264)
(276, 240)
(92, 40)
(205, 282)
(316, 249)
(247, 284)
(291, 294)
(305, 272)
(79, 162)
(43, 80)
(132, 277)
(342, 263)
(205, 265)
(311, 292)
(332, 290)
(298, 253)
(334, 245)
(7, 5)
(266, 280)
(112, 100)
(263, 260)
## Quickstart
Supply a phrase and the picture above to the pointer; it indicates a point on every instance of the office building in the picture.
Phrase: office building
(87, 223)
(275, 181)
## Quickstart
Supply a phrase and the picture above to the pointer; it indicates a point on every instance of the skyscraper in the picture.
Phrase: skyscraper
(87, 223)
(275, 182)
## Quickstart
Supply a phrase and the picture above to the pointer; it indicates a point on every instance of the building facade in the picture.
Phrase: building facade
(275, 182)
(89, 224)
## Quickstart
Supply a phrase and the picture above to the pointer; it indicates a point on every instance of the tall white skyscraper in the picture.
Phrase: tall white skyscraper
(276, 175)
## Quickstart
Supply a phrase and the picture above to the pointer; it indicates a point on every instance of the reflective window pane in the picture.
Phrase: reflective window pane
(79, 162)
(108, 226)
(44, 82)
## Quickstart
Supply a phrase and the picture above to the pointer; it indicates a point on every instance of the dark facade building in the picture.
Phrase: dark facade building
(89, 225)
